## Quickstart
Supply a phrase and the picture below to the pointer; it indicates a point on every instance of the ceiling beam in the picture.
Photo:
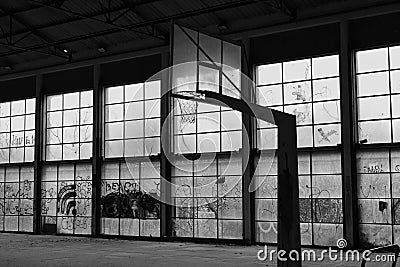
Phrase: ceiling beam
(95, 19)
(192, 13)
(282, 6)
(74, 19)
(25, 9)
(26, 25)
(27, 49)
(138, 14)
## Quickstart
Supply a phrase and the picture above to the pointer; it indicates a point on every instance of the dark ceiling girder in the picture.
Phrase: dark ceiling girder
(283, 6)
(70, 20)
(94, 19)
(27, 49)
(138, 14)
(32, 31)
(25, 9)
(178, 16)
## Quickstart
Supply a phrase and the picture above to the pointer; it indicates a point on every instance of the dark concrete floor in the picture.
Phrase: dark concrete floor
(32, 251)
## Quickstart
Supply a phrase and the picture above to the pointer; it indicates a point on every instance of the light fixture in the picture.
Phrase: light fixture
(8, 67)
(222, 27)
(101, 50)
(65, 51)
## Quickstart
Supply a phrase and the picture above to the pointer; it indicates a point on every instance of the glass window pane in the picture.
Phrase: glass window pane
(17, 123)
(374, 132)
(134, 129)
(372, 60)
(184, 144)
(71, 117)
(270, 95)
(326, 89)
(114, 112)
(86, 116)
(325, 66)
(152, 127)
(30, 106)
(152, 89)
(297, 92)
(327, 135)
(133, 92)
(208, 122)
(297, 70)
(395, 81)
(231, 120)
(86, 133)
(327, 112)
(304, 136)
(396, 130)
(134, 148)
(114, 130)
(152, 108)
(5, 124)
(394, 57)
(54, 102)
(71, 100)
(208, 79)
(54, 119)
(71, 134)
(373, 84)
(231, 141)
(395, 106)
(17, 107)
(134, 110)
(380, 110)
(86, 99)
(114, 94)
(269, 74)
(302, 112)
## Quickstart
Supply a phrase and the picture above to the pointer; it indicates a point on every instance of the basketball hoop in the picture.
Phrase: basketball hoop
(188, 108)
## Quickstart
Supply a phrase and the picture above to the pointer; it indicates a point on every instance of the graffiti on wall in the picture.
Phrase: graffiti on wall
(125, 200)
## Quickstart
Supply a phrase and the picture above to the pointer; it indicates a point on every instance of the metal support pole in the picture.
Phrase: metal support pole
(165, 187)
(248, 122)
(37, 201)
(288, 190)
(349, 181)
(96, 159)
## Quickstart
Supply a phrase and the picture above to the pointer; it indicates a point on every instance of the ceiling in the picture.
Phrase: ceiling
(39, 33)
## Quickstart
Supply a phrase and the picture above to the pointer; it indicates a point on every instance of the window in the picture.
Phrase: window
(378, 95)
(208, 197)
(378, 86)
(132, 120)
(309, 89)
(320, 192)
(129, 199)
(67, 198)
(69, 126)
(17, 131)
(130, 189)
(16, 199)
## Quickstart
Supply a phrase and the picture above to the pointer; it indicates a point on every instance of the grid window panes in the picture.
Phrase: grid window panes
(309, 89)
(16, 199)
(205, 128)
(208, 197)
(67, 198)
(320, 193)
(378, 95)
(379, 196)
(17, 131)
(132, 120)
(69, 126)
(129, 199)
